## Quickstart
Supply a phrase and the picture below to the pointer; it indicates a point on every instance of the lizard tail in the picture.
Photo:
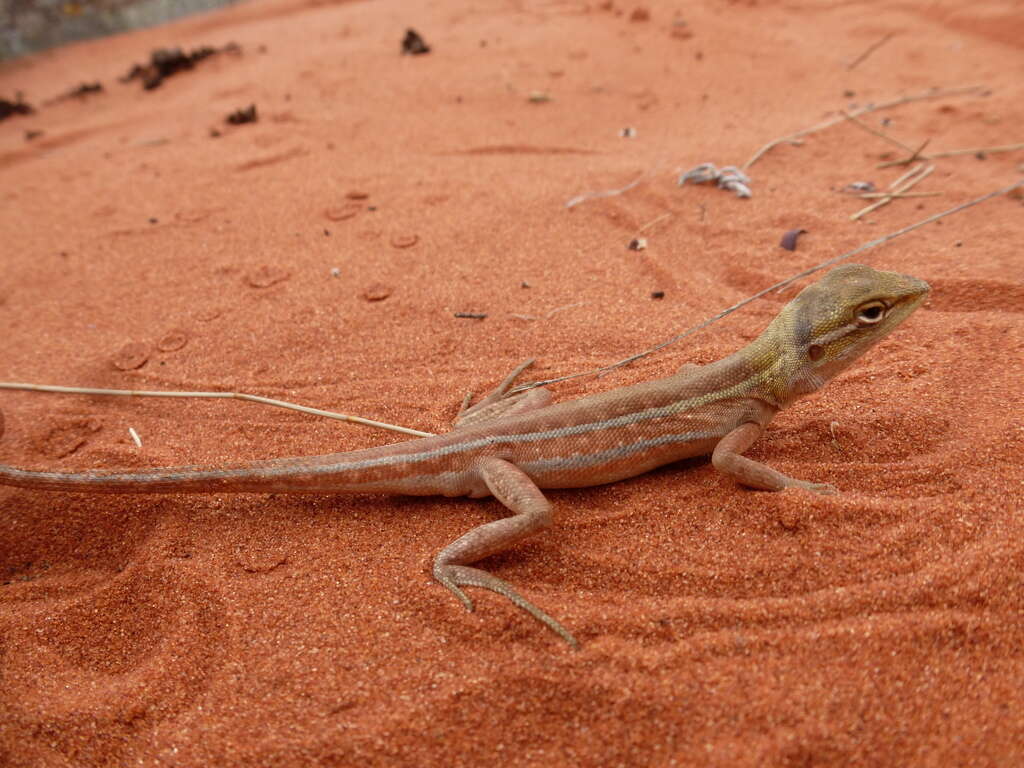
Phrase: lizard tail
(169, 480)
(382, 469)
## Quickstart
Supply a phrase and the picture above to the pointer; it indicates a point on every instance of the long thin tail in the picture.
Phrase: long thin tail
(413, 467)
(257, 477)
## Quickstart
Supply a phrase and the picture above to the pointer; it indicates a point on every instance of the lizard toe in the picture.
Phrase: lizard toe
(448, 577)
(455, 576)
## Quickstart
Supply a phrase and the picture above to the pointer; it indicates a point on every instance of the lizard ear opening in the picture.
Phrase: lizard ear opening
(815, 352)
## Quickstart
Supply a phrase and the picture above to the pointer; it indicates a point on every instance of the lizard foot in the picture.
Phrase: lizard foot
(456, 576)
(500, 403)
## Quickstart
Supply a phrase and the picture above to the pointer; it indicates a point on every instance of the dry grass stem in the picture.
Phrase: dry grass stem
(901, 185)
(953, 153)
(870, 49)
(896, 195)
(556, 310)
(930, 94)
(651, 223)
(606, 192)
(213, 395)
(876, 132)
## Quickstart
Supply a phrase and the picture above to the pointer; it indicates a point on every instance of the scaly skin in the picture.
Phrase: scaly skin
(512, 447)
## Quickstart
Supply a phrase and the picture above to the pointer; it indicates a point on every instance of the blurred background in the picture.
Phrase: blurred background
(34, 25)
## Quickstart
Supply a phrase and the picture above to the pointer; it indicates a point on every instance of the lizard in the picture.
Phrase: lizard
(514, 445)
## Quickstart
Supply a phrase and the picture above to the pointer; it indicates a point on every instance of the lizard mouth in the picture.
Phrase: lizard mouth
(914, 288)
(915, 293)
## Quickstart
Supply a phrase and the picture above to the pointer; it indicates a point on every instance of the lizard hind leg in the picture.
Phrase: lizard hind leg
(499, 403)
(531, 512)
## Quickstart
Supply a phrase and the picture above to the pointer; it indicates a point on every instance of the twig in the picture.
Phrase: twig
(607, 192)
(782, 284)
(916, 154)
(896, 195)
(919, 173)
(870, 49)
(954, 153)
(212, 395)
(874, 131)
(976, 150)
(933, 93)
(913, 157)
(651, 223)
(556, 310)
(908, 175)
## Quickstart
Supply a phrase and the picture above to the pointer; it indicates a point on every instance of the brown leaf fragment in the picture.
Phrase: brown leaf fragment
(789, 239)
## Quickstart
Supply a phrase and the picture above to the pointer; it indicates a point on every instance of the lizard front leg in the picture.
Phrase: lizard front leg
(728, 460)
(531, 512)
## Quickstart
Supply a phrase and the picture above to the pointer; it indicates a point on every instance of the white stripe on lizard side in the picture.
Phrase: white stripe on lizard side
(185, 473)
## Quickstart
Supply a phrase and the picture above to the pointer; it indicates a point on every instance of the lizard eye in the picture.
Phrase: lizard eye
(871, 313)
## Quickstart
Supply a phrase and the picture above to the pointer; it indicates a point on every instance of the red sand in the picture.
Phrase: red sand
(883, 626)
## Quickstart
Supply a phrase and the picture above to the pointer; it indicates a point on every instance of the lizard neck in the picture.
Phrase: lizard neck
(778, 365)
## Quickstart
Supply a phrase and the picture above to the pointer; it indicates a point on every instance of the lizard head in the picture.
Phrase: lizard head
(837, 319)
